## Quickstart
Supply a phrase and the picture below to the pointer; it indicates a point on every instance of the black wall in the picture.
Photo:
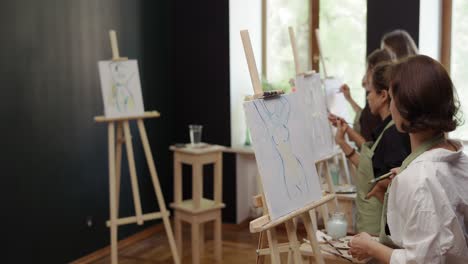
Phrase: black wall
(54, 157)
(54, 162)
(201, 82)
(385, 16)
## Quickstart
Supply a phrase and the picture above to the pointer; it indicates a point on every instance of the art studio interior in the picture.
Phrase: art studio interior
(234, 131)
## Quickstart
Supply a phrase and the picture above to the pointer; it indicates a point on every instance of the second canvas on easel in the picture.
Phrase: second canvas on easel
(121, 88)
(286, 151)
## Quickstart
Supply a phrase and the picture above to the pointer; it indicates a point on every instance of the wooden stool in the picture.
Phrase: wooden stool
(198, 210)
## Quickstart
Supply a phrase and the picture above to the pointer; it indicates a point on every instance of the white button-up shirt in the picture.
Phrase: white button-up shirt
(428, 209)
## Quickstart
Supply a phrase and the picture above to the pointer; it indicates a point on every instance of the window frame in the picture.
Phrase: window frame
(314, 7)
(446, 40)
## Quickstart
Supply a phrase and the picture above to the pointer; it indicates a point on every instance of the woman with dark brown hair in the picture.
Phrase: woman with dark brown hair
(426, 205)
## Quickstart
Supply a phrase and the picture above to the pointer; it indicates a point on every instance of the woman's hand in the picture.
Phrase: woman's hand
(340, 131)
(334, 118)
(359, 246)
(346, 91)
(378, 191)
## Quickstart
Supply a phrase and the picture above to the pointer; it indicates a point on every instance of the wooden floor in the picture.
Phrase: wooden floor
(239, 246)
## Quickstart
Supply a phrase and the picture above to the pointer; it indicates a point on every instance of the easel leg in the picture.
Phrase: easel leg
(112, 193)
(178, 199)
(133, 176)
(311, 231)
(218, 248)
(118, 163)
(293, 242)
(313, 216)
(157, 190)
(273, 244)
(261, 238)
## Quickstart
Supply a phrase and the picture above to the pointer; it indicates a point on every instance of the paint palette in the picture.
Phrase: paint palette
(342, 243)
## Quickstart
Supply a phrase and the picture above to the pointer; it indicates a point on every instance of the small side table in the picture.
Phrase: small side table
(198, 210)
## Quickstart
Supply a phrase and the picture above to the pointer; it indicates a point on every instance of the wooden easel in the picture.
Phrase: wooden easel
(115, 159)
(264, 223)
(322, 60)
(322, 165)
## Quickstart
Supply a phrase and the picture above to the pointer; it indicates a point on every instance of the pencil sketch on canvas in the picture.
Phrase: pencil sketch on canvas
(284, 153)
(121, 89)
(275, 118)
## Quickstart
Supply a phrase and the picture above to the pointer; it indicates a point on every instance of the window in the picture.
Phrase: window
(281, 14)
(342, 32)
(343, 37)
(458, 61)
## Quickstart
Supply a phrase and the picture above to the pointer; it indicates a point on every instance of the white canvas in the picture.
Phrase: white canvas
(284, 153)
(336, 101)
(310, 89)
(121, 88)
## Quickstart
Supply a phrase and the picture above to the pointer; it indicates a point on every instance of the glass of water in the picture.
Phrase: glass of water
(195, 134)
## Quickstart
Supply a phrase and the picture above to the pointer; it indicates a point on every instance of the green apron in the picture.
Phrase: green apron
(369, 211)
(356, 123)
(383, 237)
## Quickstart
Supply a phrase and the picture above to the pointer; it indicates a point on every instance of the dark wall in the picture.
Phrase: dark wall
(54, 157)
(201, 82)
(385, 16)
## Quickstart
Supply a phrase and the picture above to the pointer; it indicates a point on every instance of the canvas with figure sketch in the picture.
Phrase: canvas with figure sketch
(286, 150)
(121, 88)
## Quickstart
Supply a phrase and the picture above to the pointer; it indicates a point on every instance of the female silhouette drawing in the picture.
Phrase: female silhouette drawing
(275, 116)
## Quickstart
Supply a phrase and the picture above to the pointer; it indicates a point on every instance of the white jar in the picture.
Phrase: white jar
(337, 226)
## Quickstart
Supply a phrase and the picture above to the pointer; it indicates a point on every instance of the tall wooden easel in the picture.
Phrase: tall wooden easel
(264, 223)
(115, 159)
(322, 166)
(322, 60)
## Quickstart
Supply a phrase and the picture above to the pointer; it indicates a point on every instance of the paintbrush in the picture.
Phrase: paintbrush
(385, 176)
(333, 246)
(329, 251)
